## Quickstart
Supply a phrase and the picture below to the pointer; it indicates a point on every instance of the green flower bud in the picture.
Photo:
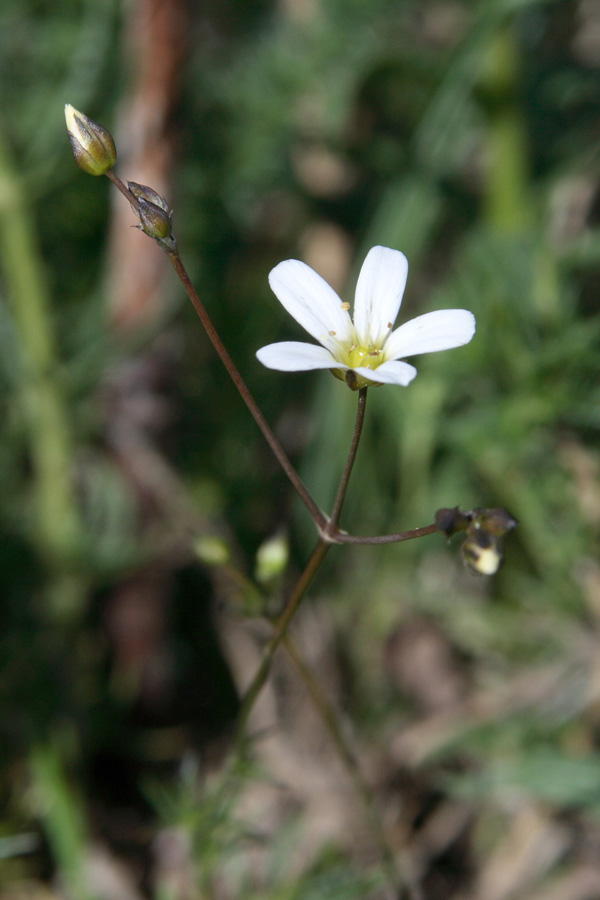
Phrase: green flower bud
(271, 559)
(93, 147)
(153, 212)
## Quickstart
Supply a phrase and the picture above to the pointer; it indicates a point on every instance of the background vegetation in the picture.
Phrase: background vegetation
(464, 133)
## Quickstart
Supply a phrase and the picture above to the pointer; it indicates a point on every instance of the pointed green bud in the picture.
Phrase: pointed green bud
(153, 212)
(93, 147)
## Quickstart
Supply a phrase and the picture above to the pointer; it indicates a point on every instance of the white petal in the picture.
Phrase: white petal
(434, 331)
(312, 302)
(379, 293)
(392, 372)
(294, 356)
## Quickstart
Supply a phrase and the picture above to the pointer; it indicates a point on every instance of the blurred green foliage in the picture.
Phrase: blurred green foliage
(465, 134)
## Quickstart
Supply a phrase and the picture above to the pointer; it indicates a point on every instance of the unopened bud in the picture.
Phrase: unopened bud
(153, 212)
(143, 192)
(271, 558)
(93, 146)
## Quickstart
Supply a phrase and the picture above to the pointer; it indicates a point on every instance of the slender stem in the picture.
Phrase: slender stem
(341, 537)
(123, 188)
(348, 757)
(341, 494)
(318, 516)
(280, 628)
(246, 396)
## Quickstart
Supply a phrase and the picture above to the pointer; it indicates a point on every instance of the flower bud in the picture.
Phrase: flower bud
(153, 212)
(93, 146)
(271, 558)
(143, 192)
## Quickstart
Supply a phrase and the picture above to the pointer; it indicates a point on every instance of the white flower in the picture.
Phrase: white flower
(365, 351)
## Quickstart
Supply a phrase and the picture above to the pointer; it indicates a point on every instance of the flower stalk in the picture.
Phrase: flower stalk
(341, 494)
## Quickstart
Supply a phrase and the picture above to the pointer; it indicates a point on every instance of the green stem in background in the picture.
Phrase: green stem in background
(56, 527)
(63, 818)
(282, 457)
(508, 204)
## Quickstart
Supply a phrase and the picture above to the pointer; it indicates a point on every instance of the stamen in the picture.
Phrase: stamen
(332, 333)
(345, 305)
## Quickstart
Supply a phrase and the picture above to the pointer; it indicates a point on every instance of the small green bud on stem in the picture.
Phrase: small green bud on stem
(93, 146)
(153, 212)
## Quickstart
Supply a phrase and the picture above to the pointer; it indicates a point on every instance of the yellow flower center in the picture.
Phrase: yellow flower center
(367, 357)
(357, 356)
